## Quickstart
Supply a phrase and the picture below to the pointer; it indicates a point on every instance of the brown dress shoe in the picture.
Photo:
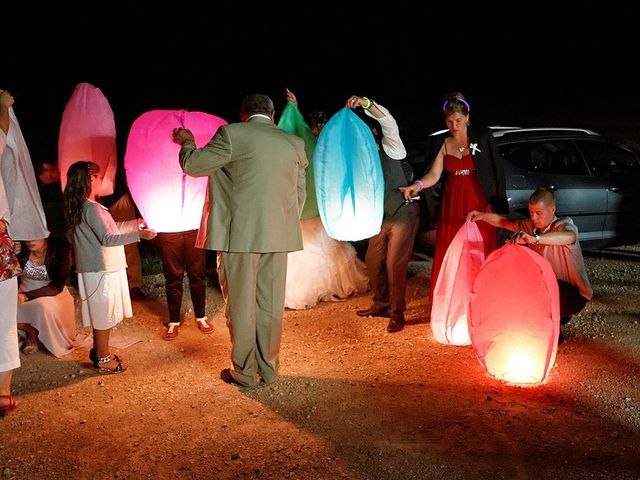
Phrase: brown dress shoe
(373, 312)
(227, 376)
(395, 324)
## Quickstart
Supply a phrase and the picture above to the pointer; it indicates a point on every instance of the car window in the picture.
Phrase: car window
(605, 158)
(517, 154)
(558, 157)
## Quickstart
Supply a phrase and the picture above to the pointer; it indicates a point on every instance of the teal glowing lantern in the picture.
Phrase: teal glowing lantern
(292, 121)
(349, 179)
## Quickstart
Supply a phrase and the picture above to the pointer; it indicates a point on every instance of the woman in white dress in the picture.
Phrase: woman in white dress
(46, 311)
(326, 269)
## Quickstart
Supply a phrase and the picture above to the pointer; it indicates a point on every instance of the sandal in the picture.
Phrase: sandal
(203, 326)
(5, 409)
(93, 356)
(172, 331)
(119, 368)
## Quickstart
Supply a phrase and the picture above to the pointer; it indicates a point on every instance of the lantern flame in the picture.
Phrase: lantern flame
(518, 358)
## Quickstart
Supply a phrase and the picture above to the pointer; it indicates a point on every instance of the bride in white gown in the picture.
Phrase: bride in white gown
(326, 269)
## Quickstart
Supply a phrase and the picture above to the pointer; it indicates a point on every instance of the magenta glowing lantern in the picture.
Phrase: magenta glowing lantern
(460, 267)
(88, 132)
(168, 199)
(514, 320)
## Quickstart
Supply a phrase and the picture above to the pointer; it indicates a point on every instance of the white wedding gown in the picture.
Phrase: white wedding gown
(325, 270)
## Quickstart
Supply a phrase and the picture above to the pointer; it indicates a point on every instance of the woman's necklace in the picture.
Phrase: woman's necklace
(460, 149)
(37, 258)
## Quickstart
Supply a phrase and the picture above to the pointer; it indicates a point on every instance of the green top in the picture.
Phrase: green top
(293, 122)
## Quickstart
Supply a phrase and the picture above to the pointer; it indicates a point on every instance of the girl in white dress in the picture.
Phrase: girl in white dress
(98, 243)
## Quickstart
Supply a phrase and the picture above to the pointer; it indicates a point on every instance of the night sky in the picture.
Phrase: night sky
(535, 69)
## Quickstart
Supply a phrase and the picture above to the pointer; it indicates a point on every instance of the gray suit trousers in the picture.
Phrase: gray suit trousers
(253, 286)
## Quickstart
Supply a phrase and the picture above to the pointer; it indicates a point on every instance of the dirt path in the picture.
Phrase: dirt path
(352, 402)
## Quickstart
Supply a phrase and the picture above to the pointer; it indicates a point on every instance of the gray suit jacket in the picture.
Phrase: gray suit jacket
(256, 187)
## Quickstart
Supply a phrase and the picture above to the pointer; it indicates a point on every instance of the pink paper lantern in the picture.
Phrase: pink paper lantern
(168, 199)
(514, 318)
(460, 267)
(88, 132)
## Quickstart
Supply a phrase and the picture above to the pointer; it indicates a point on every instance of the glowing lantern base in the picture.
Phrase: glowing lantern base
(516, 358)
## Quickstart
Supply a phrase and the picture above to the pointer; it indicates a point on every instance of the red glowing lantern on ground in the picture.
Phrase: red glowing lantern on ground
(514, 320)
(168, 199)
(88, 132)
(460, 267)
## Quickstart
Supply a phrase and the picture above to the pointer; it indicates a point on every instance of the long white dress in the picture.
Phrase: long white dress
(53, 316)
(325, 270)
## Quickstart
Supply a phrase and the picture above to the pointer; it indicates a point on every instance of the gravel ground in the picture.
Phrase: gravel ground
(352, 401)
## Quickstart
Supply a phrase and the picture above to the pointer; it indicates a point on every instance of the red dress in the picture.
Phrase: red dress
(461, 194)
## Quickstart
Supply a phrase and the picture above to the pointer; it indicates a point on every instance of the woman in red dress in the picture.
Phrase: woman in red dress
(473, 179)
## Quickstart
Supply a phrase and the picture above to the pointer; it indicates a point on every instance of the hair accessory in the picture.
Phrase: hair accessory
(462, 100)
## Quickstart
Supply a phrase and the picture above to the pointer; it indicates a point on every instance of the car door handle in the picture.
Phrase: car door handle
(614, 189)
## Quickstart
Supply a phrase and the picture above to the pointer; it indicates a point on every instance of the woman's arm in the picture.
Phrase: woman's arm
(429, 179)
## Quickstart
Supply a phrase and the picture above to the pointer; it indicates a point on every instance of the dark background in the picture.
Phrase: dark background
(537, 67)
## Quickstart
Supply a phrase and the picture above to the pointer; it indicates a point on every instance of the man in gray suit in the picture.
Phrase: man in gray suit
(252, 218)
